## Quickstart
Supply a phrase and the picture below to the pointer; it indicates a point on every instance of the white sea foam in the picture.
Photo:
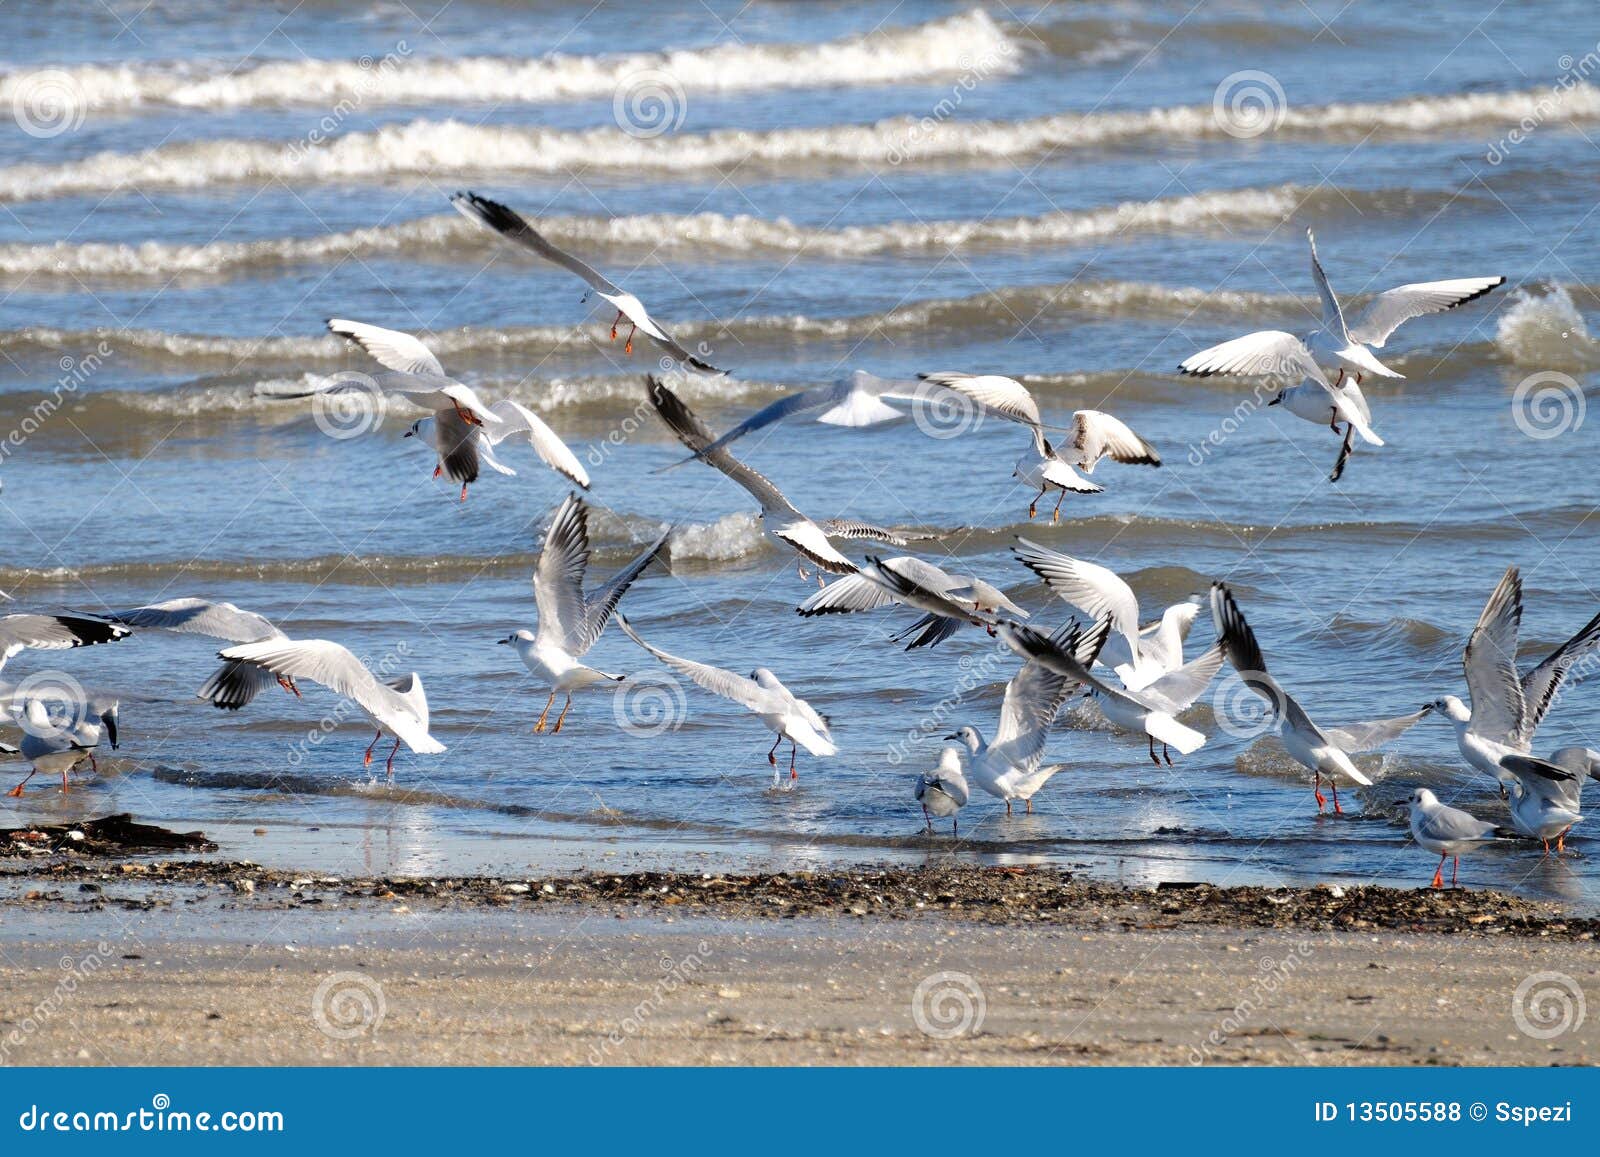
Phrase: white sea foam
(452, 236)
(729, 537)
(428, 147)
(920, 51)
(1546, 330)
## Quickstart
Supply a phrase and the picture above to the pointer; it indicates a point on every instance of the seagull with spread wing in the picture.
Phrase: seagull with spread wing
(1092, 436)
(54, 633)
(908, 581)
(463, 448)
(1333, 347)
(233, 684)
(1508, 705)
(514, 227)
(571, 620)
(779, 519)
(1007, 766)
(783, 712)
(1324, 751)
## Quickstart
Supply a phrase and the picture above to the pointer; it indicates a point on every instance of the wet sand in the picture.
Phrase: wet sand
(156, 962)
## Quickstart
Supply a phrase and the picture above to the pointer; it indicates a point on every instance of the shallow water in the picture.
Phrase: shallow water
(1046, 193)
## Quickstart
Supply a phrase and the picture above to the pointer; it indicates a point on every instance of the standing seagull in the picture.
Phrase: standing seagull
(62, 741)
(1138, 654)
(1008, 766)
(514, 227)
(1507, 706)
(1446, 831)
(1333, 346)
(1152, 710)
(870, 590)
(779, 518)
(783, 711)
(1323, 751)
(943, 791)
(233, 684)
(1538, 816)
(1094, 435)
(570, 621)
(398, 705)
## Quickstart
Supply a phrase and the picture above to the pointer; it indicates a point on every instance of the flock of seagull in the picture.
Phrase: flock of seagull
(1134, 669)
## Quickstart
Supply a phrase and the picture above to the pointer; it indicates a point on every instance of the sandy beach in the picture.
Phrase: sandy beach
(183, 962)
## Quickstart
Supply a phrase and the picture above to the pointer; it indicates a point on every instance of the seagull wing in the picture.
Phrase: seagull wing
(1096, 434)
(515, 418)
(847, 595)
(1490, 664)
(1032, 699)
(1358, 737)
(1094, 589)
(694, 434)
(1332, 315)
(745, 692)
(558, 577)
(1265, 353)
(1541, 685)
(1182, 687)
(388, 347)
(514, 227)
(1005, 396)
(199, 617)
(799, 402)
(55, 633)
(1394, 307)
(854, 529)
(1239, 644)
(601, 601)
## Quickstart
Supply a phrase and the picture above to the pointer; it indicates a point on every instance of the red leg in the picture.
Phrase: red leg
(367, 760)
(772, 756)
(388, 766)
(288, 685)
(1055, 515)
(627, 346)
(17, 791)
(463, 492)
(438, 470)
(1454, 868)
(794, 749)
(539, 726)
(64, 786)
(562, 718)
(1438, 873)
(1316, 790)
(616, 322)
(1334, 786)
(468, 417)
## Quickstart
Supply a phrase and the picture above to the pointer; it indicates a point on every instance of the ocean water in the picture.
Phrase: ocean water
(1077, 195)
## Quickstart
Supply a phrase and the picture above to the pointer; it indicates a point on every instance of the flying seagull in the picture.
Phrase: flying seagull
(782, 711)
(514, 227)
(1324, 751)
(1092, 436)
(233, 684)
(54, 633)
(1508, 705)
(779, 518)
(1331, 347)
(922, 580)
(463, 448)
(571, 620)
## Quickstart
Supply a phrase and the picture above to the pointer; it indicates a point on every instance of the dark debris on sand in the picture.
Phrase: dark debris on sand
(967, 892)
(110, 836)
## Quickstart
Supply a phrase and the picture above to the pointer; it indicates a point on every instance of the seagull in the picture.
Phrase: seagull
(783, 711)
(514, 227)
(943, 791)
(1335, 347)
(463, 447)
(1538, 816)
(868, 592)
(1556, 783)
(54, 633)
(233, 684)
(398, 705)
(414, 371)
(1446, 831)
(1094, 435)
(61, 741)
(1508, 706)
(1008, 765)
(1138, 654)
(779, 519)
(1323, 751)
(570, 621)
(853, 401)
(1152, 709)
